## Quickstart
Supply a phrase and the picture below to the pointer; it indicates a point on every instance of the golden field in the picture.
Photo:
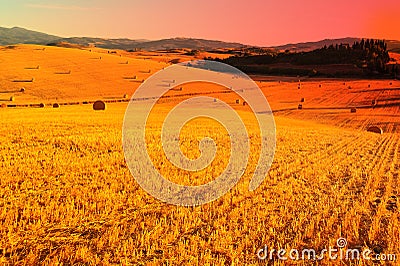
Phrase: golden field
(67, 196)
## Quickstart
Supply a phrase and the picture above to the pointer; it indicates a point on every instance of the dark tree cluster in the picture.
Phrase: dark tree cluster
(370, 56)
(374, 53)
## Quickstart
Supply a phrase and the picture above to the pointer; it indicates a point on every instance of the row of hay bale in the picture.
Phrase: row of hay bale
(97, 105)
(24, 80)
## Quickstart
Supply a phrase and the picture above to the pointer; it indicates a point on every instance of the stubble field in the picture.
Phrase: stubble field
(68, 197)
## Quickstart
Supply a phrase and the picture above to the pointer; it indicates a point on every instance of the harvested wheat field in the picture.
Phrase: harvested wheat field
(67, 196)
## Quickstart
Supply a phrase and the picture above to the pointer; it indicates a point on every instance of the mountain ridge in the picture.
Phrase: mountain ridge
(18, 35)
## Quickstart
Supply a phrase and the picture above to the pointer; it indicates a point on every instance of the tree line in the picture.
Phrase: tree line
(369, 55)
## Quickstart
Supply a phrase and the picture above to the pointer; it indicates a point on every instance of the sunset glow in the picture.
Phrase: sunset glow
(249, 22)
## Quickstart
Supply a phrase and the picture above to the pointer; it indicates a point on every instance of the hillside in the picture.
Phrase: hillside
(17, 35)
(164, 44)
(310, 46)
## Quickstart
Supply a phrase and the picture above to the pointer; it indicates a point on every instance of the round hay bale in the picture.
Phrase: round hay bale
(344, 83)
(56, 105)
(300, 107)
(99, 105)
(125, 96)
(302, 100)
(369, 85)
(298, 87)
(320, 85)
(237, 101)
(390, 83)
(244, 103)
(22, 90)
(12, 98)
(353, 110)
(42, 105)
(375, 129)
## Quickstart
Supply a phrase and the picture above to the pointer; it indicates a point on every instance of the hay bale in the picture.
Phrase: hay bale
(42, 105)
(302, 100)
(12, 98)
(320, 85)
(56, 105)
(353, 110)
(237, 101)
(99, 105)
(298, 87)
(300, 106)
(244, 103)
(125, 96)
(369, 85)
(390, 83)
(375, 129)
(22, 90)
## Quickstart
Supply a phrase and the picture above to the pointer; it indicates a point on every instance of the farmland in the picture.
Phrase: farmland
(68, 197)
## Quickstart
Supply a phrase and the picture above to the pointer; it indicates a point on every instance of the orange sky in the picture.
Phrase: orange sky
(260, 22)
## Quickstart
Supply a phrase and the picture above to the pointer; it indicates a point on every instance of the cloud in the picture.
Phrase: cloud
(60, 7)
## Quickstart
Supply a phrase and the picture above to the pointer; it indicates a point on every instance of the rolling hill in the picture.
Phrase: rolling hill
(18, 35)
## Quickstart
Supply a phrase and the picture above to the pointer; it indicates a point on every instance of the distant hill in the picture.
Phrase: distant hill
(310, 46)
(179, 43)
(393, 46)
(123, 44)
(173, 43)
(19, 35)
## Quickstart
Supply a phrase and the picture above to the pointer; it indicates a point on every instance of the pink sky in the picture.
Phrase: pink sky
(266, 22)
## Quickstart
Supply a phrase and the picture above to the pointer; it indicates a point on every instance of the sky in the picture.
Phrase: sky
(258, 22)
